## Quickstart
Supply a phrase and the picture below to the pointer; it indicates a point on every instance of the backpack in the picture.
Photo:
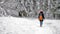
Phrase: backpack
(40, 17)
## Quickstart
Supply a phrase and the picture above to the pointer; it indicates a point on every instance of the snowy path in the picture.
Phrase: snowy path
(11, 25)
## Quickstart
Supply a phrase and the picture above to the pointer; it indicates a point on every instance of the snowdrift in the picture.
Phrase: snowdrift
(12, 25)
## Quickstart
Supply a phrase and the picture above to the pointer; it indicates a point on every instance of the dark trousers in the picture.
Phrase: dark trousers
(41, 23)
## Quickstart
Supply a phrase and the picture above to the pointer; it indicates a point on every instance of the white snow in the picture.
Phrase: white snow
(12, 25)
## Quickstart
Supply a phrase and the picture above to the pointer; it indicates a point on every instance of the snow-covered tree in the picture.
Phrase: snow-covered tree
(30, 7)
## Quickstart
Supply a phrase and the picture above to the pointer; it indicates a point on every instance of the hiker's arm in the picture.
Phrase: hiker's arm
(38, 15)
(43, 16)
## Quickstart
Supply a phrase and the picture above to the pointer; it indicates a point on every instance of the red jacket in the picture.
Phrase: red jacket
(41, 18)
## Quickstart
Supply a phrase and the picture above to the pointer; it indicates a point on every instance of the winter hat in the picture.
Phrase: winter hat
(41, 11)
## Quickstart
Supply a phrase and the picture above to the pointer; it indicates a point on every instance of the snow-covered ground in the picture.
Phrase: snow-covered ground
(13, 25)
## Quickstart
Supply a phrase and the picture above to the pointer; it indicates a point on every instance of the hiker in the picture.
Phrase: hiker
(41, 18)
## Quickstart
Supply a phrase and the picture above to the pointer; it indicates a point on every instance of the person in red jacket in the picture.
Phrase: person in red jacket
(41, 18)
